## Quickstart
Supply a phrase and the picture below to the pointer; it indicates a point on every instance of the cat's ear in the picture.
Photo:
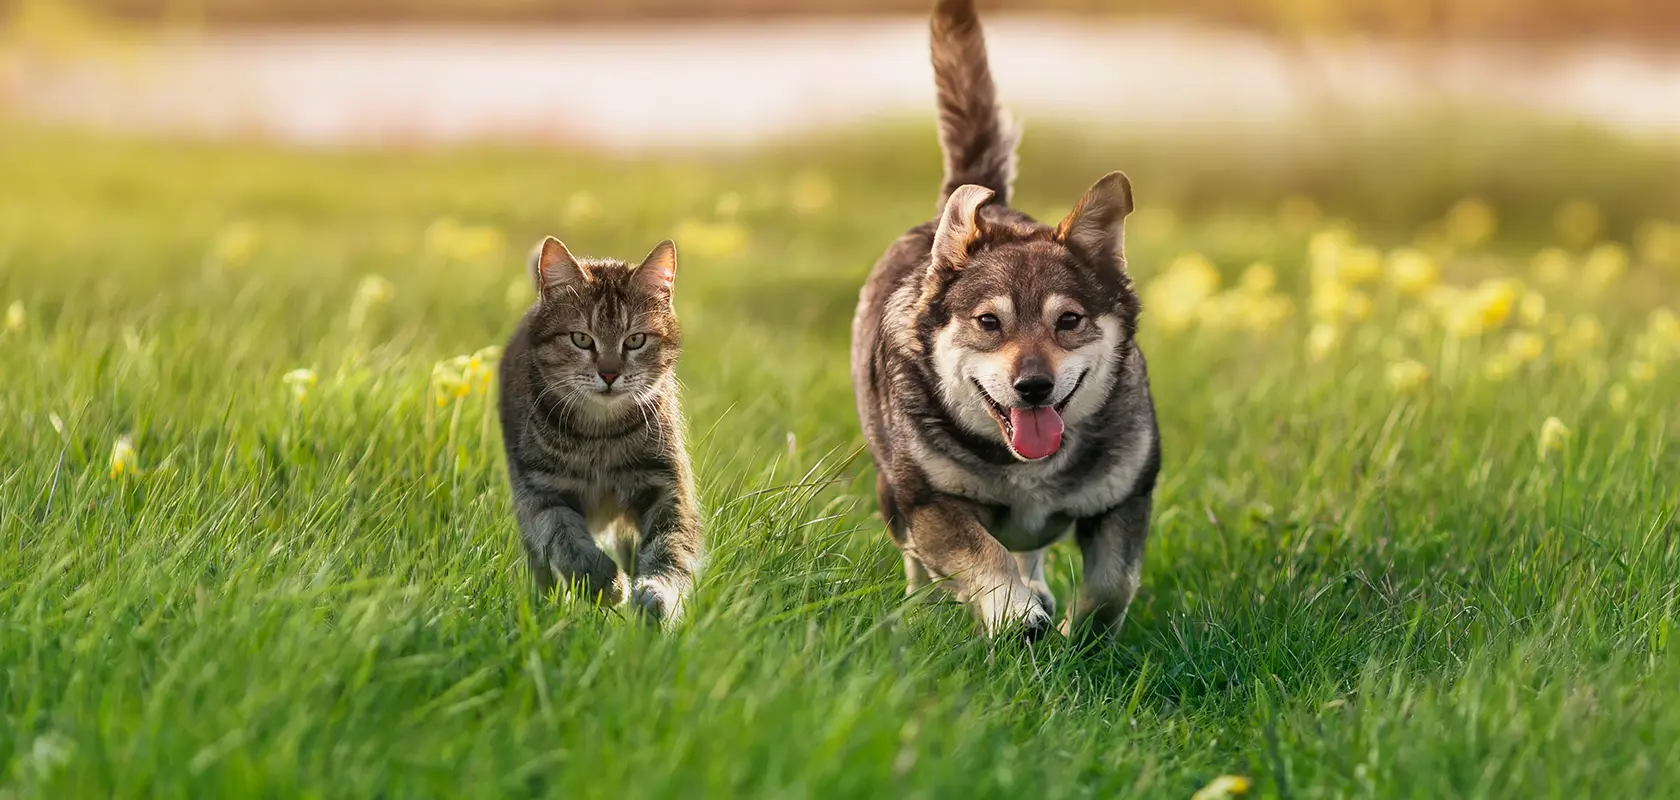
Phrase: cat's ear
(659, 270)
(553, 268)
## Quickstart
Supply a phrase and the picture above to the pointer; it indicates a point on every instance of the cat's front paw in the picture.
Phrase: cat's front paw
(658, 599)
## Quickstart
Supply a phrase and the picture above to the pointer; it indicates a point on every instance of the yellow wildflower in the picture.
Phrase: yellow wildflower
(1412, 271)
(1498, 367)
(1659, 243)
(1532, 309)
(711, 239)
(1360, 264)
(1471, 222)
(449, 380)
(1642, 371)
(1321, 340)
(301, 381)
(1664, 326)
(1325, 250)
(1222, 787)
(1359, 306)
(124, 461)
(373, 292)
(1524, 346)
(480, 367)
(235, 244)
(1618, 397)
(1585, 333)
(1176, 295)
(1259, 278)
(581, 207)
(1413, 322)
(1407, 377)
(1551, 266)
(1495, 300)
(1604, 264)
(1579, 221)
(1553, 435)
(15, 317)
(1330, 300)
(811, 193)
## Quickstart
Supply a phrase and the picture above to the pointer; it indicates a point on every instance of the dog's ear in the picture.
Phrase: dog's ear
(553, 269)
(959, 226)
(658, 271)
(1095, 228)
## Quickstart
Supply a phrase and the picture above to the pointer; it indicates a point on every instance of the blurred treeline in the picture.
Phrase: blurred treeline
(1655, 21)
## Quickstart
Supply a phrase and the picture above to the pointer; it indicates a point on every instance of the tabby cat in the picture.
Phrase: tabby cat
(594, 434)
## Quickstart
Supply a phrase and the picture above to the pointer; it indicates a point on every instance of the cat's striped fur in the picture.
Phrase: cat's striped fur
(602, 485)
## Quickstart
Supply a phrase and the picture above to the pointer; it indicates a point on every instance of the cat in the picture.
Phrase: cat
(603, 488)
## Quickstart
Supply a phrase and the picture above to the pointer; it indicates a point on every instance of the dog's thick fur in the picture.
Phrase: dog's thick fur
(981, 324)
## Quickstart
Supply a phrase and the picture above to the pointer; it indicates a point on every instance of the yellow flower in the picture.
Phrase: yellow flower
(1259, 278)
(581, 207)
(812, 193)
(1551, 266)
(1524, 346)
(1222, 787)
(1360, 265)
(15, 317)
(1604, 264)
(373, 292)
(1176, 295)
(1618, 397)
(1330, 300)
(1642, 371)
(1471, 222)
(1664, 326)
(1659, 243)
(1359, 306)
(1412, 271)
(1298, 212)
(1498, 367)
(124, 461)
(1495, 299)
(235, 244)
(301, 381)
(1578, 221)
(711, 239)
(1585, 333)
(480, 367)
(1553, 435)
(449, 380)
(1321, 340)
(450, 240)
(1407, 377)
(1325, 250)
(1532, 309)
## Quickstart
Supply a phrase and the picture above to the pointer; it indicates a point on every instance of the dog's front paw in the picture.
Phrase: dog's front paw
(1012, 607)
(657, 599)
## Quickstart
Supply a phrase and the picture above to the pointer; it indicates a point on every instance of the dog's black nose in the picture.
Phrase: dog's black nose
(1035, 389)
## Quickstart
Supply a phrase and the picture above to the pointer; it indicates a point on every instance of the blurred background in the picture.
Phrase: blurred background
(655, 73)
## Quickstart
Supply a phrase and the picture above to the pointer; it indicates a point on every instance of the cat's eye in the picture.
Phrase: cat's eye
(989, 322)
(1068, 321)
(582, 341)
(635, 341)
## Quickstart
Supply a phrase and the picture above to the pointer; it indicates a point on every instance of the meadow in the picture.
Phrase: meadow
(1415, 536)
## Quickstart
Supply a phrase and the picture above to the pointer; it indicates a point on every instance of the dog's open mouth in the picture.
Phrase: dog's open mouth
(1032, 433)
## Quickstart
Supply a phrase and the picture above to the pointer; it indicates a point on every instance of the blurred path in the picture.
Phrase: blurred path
(707, 83)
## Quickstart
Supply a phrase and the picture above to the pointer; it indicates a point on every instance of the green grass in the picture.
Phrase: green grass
(1348, 592)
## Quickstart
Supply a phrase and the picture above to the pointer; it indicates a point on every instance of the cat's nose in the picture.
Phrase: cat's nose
(609, 377)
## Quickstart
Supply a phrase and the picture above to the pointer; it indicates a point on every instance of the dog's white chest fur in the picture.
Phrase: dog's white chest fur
(1040, 499)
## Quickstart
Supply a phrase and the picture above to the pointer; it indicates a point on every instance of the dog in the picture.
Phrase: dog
(998, 381)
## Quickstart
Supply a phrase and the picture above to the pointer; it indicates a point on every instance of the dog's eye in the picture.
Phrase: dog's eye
(1068, 321)
(989, 322)
(583, 341)
(635, 341)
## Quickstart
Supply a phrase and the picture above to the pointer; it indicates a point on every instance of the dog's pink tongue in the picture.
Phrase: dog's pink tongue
(1038, 431)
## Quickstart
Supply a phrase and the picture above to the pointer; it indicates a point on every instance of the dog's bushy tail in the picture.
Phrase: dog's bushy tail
(977, 135)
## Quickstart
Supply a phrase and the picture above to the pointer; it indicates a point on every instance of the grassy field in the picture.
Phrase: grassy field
(1371, 572)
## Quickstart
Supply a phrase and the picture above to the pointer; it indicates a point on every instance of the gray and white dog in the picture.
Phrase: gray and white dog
(998, 382)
